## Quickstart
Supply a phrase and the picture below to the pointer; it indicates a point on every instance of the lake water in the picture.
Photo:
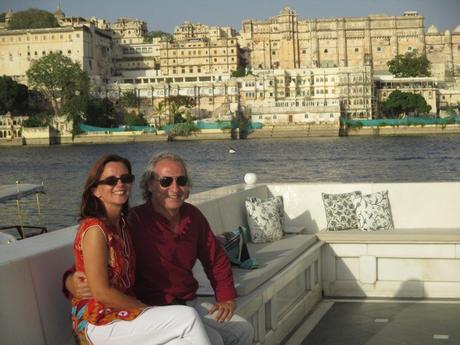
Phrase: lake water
(356, 159)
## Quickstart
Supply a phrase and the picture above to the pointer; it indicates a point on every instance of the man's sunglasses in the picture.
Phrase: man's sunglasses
(166, 181)
(113, 180)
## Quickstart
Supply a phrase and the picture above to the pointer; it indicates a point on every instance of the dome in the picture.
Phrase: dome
(59, 14)
(457, 30)
(432, 30)
(9, 14)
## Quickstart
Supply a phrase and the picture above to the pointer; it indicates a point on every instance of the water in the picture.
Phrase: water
(357, 159)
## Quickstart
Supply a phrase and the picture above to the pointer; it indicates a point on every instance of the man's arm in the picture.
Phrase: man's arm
(219, 271)
(76, 284)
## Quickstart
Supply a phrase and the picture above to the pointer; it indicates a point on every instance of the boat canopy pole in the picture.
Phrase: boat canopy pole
(20, 227)
(40, 219)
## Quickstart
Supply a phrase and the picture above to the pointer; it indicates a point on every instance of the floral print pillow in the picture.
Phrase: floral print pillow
(340, 211)
(265, 219)
(373, 211)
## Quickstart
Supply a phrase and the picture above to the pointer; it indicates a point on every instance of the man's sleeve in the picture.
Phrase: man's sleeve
(215, 263)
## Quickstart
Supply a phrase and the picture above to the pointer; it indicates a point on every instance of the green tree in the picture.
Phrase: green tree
(129, 99)
(183, 129)
(90, 110)
(409, 65)
(32, 19)
(37, 120)
(404, 103)
(14, 97)
(58, 78)
(240, 72)
(131, 119)
(2, 17)
(148, 38)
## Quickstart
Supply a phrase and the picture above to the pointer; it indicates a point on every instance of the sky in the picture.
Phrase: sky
(165, 15)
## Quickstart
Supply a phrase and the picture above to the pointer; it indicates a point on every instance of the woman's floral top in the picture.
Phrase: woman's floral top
(121, 270)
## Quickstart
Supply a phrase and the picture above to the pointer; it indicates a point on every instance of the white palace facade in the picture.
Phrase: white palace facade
(297, 70)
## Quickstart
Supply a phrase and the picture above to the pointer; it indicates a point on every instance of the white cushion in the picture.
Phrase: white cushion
(265, 219)
(340, 211)
(373, 211)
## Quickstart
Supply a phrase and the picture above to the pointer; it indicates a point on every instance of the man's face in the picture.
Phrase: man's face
(168, 199)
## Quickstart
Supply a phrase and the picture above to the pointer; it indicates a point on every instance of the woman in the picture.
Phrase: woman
(104, 252)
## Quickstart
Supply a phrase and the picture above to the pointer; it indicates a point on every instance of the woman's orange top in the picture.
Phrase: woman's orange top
(121, 272)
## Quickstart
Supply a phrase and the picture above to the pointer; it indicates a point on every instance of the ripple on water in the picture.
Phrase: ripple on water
(362, 159)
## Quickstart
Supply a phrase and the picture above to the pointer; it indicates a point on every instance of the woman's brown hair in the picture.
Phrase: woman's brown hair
(90, 205)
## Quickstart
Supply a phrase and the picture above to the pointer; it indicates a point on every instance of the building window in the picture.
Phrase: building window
(273, 52)
(356, 49)
(304, 51)
(325, 50)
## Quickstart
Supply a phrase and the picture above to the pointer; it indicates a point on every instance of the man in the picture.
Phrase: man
(169, 235)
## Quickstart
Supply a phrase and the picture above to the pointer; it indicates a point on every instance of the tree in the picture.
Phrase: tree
(183, 129)
(32, 19)
(131, 119)
(14, 97)
(58, 78)
(403, 103)
(409, 65)
(179, 106)
(37, 120)
(240, 72)
(148, 38)
(90, 110)
(129, 99)
(2, 17)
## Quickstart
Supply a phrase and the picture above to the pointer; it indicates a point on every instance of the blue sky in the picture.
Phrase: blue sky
(167, 14)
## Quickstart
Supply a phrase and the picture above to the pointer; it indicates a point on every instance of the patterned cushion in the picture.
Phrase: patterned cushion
(373, 211)
(340, 211)
(265, 219)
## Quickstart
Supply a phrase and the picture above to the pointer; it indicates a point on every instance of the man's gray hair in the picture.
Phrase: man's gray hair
(149, 174)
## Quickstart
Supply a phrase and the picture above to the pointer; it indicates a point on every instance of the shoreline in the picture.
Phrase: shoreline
(268, 131)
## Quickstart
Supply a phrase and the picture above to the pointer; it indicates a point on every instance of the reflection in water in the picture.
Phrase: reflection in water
(63, 168)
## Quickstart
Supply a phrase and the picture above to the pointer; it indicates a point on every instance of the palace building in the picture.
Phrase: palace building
(285, 41)
(297, 70)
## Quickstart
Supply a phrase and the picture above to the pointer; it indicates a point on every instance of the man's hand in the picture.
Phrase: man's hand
(223, 310)
(78, 286)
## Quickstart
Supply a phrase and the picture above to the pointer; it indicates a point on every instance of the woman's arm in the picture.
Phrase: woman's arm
(95, 255)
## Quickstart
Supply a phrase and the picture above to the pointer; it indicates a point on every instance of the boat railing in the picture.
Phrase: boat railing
(16, 192)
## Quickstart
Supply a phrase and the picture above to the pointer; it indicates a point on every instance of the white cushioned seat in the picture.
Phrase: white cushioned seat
(271, 257)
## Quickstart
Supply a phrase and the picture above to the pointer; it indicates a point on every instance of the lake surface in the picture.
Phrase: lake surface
(63, 169)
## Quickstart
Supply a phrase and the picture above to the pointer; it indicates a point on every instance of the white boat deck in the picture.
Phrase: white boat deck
(411, 274)
(380, 322)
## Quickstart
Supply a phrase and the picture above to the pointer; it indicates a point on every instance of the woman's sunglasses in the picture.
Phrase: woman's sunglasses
(113, 180)
(166, 181)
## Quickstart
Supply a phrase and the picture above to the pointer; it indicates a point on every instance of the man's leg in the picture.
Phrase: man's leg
(237, 331)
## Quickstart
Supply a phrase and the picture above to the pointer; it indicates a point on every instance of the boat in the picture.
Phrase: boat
(231, 150)
(411, 270)
(15, 192)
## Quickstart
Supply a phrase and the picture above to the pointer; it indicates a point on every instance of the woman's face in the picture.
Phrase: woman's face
(117, 195)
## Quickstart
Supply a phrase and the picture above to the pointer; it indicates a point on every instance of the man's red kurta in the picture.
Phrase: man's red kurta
(165, 260)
